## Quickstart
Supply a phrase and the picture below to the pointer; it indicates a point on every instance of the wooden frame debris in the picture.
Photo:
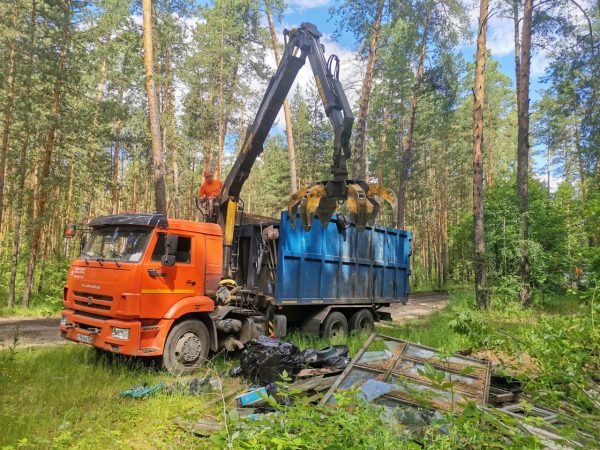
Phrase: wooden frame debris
(414, 371)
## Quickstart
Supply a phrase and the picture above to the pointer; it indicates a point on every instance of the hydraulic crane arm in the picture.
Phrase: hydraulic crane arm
(363, 200)
(301, 43)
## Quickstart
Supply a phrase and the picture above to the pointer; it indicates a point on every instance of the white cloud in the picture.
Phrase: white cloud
(500, 35)
(554, 181)
(302, 5)
(539, 63)
(500, 38)
(351, 74)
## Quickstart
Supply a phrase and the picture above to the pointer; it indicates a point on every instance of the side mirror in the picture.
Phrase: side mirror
(168, 259)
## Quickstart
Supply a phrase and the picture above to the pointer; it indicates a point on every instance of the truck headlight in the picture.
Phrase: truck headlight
(63, 320)
(120, 333)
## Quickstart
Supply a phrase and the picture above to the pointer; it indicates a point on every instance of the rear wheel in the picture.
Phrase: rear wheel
(362, 321)
(186, 347)
(335, 325)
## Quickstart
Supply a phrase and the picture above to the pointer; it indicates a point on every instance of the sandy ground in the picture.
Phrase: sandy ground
(30, 332)
(419, 305)
(44, 331)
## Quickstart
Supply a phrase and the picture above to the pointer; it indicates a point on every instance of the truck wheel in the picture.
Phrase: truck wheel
(186, 347)
(335, 325)
(362, 321)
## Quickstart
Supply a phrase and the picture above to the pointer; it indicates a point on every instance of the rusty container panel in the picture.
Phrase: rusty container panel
(340, 265)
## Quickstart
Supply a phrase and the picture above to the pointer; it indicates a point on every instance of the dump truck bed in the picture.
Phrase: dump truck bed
(339, 265)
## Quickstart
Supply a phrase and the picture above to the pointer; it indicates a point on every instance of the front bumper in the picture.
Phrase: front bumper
(96, 330)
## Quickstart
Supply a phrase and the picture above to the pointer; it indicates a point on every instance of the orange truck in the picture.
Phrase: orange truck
(151, 286)
(146, 285)
(123, 295)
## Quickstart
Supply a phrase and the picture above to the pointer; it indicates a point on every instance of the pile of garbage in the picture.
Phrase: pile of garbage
(265, 359)
(403, 377)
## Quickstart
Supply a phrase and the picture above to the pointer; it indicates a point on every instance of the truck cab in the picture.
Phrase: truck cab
(142, 286)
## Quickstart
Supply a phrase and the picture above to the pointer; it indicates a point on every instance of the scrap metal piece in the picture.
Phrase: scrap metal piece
(294, 203)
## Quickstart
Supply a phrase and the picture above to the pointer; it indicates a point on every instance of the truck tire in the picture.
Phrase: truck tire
(186, 347)
(335, 325)
(362, 321)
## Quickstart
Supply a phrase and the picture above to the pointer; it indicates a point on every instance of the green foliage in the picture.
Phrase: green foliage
(555, 242)
(350, 423)
(47, 295)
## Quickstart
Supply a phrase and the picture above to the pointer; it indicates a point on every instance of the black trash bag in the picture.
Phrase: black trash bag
(339, 362)
(235, 371)
(309, 356)
(264, 359)
(341, 350)
(336, 356)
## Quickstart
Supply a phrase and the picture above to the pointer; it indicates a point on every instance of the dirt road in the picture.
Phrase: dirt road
(34, 332)
(30, 332)
(419, 305)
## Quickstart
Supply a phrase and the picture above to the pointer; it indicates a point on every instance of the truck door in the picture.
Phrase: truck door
(162, 286)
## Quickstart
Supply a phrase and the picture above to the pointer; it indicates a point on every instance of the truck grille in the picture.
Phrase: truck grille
(93, 300)
(92, 305)
(86, 295)
(90, 315)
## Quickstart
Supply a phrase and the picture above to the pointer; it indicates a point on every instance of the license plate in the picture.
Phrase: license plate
(84, 338)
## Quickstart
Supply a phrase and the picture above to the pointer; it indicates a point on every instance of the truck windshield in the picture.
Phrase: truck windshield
(117, 244)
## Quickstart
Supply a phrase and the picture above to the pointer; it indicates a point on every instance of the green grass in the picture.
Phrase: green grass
(34, 311)
(64, 397)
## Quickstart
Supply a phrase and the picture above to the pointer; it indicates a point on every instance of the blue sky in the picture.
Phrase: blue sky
(500, 36)
(500, 41)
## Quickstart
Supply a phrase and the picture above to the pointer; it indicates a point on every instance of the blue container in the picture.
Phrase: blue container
(327, 266)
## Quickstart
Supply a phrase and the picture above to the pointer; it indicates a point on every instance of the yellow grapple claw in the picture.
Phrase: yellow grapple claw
(360, 208)
(310, 203)
(377, 193)
(294, 203)
(364, 202)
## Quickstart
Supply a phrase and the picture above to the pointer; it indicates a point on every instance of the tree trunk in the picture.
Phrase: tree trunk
(160, 194)
(408, 144)
(479, 268)
(22, 162)
(286, 106)
(383, 144)
(581, 164)
(517, 47)
(220, 122)
(54, 115)
(548, 166)
(523, 150)
(8, 107)
(360, 155)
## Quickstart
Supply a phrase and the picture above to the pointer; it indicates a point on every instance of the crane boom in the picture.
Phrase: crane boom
(363, 200)
(301, 43)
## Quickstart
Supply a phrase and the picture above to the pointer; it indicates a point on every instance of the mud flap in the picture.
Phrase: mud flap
(312, 323)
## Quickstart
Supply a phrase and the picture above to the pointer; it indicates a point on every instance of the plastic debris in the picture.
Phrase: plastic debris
(236, 371)
(373, 389)
(309, 373)
(264, 359)
(142, 391)
(255, 413)
(206, 384)
(336, 356)
(255, 397)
